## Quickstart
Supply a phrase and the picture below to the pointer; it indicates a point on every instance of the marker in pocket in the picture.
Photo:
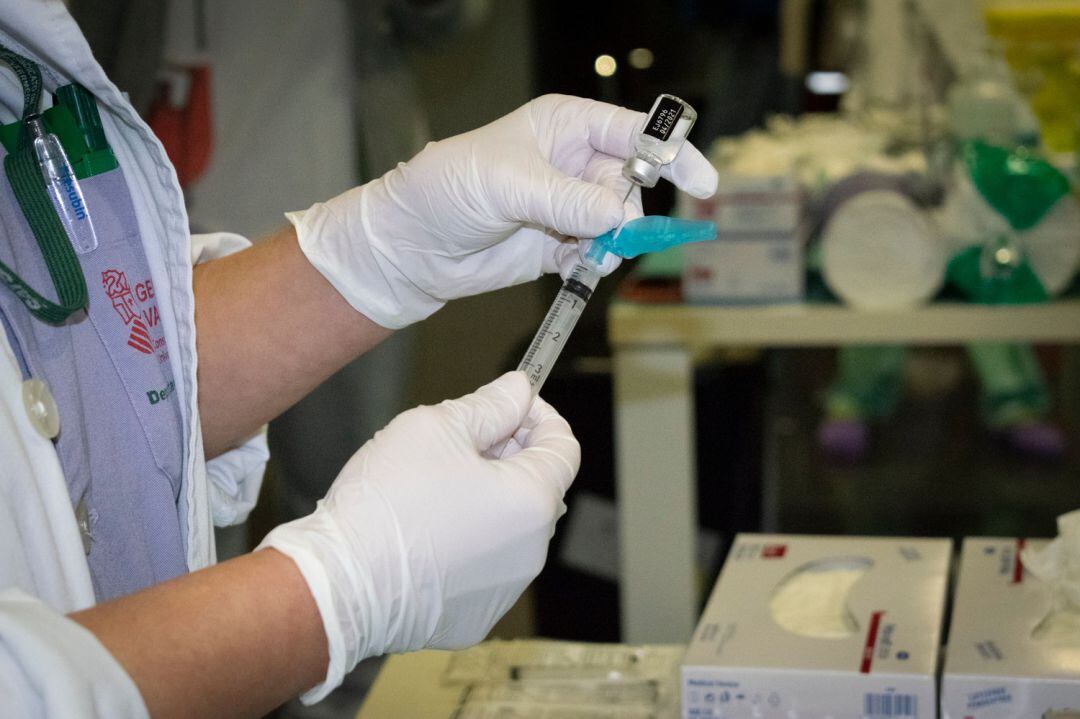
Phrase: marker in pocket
(63, 187)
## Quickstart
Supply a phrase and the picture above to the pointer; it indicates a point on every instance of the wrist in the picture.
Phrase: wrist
(312, 544)
(339, 241)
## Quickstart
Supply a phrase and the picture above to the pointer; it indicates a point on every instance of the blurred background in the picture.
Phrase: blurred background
(921, 152)
(843, 99)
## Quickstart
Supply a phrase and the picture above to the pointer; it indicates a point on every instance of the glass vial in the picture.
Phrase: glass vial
(662, 136)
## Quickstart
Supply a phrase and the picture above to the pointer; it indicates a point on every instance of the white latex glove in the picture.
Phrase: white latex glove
(487, 209)
(423, 541)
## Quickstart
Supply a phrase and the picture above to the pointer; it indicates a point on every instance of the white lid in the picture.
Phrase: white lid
(880, 251)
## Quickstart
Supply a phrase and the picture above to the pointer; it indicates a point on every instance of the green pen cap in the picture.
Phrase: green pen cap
(83, 107)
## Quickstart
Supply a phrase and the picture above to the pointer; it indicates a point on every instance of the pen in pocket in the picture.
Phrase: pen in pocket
(63, 187)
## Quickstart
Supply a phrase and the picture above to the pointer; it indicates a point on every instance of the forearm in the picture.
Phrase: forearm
(269, 329)
(233, 640)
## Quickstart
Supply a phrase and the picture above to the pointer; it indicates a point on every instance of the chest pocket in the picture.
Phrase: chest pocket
(108, 368)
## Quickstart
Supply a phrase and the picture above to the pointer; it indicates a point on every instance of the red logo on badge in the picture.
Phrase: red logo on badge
(140, 338)
(119, 291)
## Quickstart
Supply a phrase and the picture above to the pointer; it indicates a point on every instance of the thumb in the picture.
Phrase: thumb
(495, 411)
(566, 204)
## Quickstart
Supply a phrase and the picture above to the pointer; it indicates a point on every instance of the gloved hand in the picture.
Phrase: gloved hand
(484, 210)
(423, 541)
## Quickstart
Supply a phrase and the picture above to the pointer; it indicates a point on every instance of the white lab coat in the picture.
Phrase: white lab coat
(49, 665)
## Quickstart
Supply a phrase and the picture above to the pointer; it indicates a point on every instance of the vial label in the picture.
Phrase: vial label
(662, 121)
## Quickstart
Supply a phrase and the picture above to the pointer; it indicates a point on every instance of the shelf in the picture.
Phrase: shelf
(800, 325)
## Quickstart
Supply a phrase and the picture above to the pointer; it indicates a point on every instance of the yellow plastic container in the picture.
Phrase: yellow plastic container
(1041, 42)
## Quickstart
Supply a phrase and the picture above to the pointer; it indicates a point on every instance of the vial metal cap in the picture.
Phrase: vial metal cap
(641, 172)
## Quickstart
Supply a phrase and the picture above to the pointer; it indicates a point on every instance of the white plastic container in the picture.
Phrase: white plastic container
(880, 251)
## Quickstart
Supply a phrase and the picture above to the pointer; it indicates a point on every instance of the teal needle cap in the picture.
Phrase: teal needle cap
(651, 233)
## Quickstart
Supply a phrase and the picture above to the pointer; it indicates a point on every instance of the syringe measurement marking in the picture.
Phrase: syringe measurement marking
(542, 334)
(572, 286)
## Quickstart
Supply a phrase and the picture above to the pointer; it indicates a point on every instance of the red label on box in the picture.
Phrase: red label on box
(773, 551)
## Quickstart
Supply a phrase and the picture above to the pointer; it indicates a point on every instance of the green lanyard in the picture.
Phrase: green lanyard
(24, 174)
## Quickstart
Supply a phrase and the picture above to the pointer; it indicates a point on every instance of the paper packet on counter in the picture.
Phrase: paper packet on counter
(535, 711)
(1058, 566)
(544, 659)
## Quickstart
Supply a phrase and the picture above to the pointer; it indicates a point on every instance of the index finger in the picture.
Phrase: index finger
(614, 130)
(692, 172)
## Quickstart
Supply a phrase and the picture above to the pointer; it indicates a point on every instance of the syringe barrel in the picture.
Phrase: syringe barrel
(559, 322)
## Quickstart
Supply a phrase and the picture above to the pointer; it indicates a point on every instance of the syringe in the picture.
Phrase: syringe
(645, 234)
(657, 144)
(558, 324)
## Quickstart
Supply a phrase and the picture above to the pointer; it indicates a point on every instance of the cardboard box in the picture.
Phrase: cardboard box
(758, 254)
(993, 667)
(742, 663)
